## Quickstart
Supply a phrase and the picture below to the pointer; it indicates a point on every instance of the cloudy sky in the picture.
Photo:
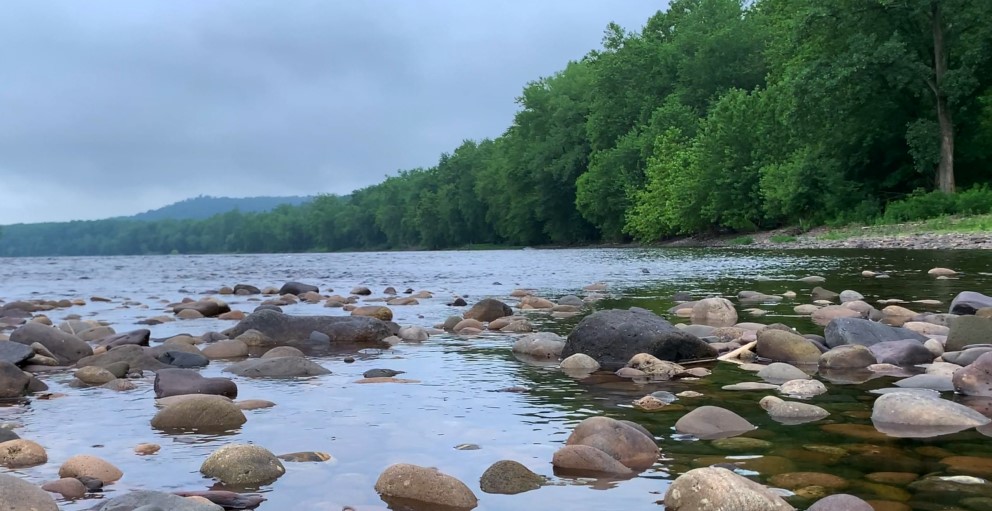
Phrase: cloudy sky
(112, 108)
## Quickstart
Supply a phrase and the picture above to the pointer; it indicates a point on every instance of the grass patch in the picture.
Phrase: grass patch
(742, 240)
(782, 238)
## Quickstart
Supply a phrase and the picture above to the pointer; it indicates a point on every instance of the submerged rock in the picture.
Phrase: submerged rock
(277, 367)
(718, 489)
(618, 439)
(425, 485)
(243, 465)
(288, 328)
(151, 500)
(713, 422)
(509, 477)
(922, 415)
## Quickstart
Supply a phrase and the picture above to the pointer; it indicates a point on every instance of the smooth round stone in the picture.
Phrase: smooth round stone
(306, 457)
(803, 388)
(146, 449)
(742, 444)
(84, 465)
(242, 464)
(68, 487)
(750, 386)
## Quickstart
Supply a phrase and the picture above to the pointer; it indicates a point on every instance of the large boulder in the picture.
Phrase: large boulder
(66, 347)
(621, 441)
(177, 382)
(719, 489)
(914, 414)
(716, 312)
(151, 500)
(14, 352)
(847, 356)
(136, 357)
(864, 332)
(543, 345)
(509, 477)
(85, 465)
(286, 328)
(297, 288)
(781, 346)
(424, 485)
(901, 353)
(488, 309)
(586, 460)
(17, 494)
(137, 337)
(201, 413)
(613, 337)
(277, 367)
(968, 302)
(975, 379)
(243, 465)
(713, 422)
(13, 381)
(968, 330)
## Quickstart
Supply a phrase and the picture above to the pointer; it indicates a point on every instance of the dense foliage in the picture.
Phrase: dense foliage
(718, 115)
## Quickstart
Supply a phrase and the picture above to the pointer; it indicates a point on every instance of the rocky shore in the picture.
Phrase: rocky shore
(827, 238)
(939, 363)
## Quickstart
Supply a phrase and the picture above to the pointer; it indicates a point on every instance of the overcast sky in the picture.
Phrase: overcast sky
(116, 107)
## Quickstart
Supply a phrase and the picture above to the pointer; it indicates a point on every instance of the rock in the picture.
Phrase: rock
(146, 449)
(136, 357)
(719, 489)
(586, 460)
(780, 372)
(519, 326)
(805, 309)
(288, 328)
(975, 379)
(17, 494)
(712, 422)
(13, 381)
(184, 360)
(791, 412)
(649, 403)
(847, 356)
(750, 386)
(413, 333)
(361, 291)
(544, 345)
(135, 337)
(93, 375)
(283, 351)
(968, 302)
(373, 311)
(618, 439)
(579, 362)
(825, 315)
(20, 453)
(803, 388)
(742, 444)
(819, 293)
(965, 357)
(488, 309)
(472, 324)
(66, 348)
(83, 465)
(189, 313)
(571, 300)
(864, 332)
(146, 500)
(200, 412)
(176, 382)
(849, 295)
(425, 485)
(230, 348)
(922, 415)
(381, 373)
(613, 337)
(901, 353)
(277, 367)
(243, 465)
(966, 331)
(780, 346)
(840, 502)
(69, 487)
(247, 289)
(655, 368)
(297, 288)
(14, 352)
(509, 477)
(206, 308)
(714, 312)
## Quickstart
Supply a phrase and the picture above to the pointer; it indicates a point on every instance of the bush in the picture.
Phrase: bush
(920, 205)
(976, 200)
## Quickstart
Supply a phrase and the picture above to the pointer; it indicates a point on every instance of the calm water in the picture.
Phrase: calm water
(368, 427)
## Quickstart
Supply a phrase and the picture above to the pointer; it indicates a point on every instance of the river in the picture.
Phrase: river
(368, 427)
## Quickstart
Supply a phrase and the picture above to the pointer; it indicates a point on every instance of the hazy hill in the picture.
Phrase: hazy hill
(205, 206)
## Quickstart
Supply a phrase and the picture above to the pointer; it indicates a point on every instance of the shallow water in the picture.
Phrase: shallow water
(368, 427)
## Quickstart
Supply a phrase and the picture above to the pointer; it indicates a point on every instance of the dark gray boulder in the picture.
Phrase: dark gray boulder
(842, 331)
(967, 302)
(136, 337)
(155, 499)
(183, 359)
(277, 367)
(297, 288)
(901, 353)
(14, 352)
(208, 308)
(488, 309)
(965, 357)
(13, 381)
(286, 328)
(177, 382)
(613, 337)
(66, 347)
(246, 289)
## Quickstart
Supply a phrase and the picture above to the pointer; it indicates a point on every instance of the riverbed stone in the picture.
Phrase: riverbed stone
(277, 367)
(425, 485)
(655, 368)
(68, 487)
(968, 302)
(66, 347)
(781, 346)
(618, 439)
(138, 337)
(824, 315)
(488, 309)
(183, 359)
(579, 362)
(175, 382)
(243, 465)
(13, 381)
(780, 372)
(136, 357)
(902, 353)
(21, 495)
(713, 422)
(921, 415)
(93, 375)
(287, 328)
(613, 337)
(413, 334)
(200, 412)
(297, 288)
(968, 330)
(509, 477)
(803, 388)
(85, 465)
(719, 489)
(975, 379)
(967, 356)
(543, 345)
(938, 382)
(225, 349)
(207, 308)
(14, 352)
(147, 500)
(847, 356)
(842, 331)
(716, 312)
(819, 293)
(791, 412)
(20, 453)
(583, 459)
(283, 351)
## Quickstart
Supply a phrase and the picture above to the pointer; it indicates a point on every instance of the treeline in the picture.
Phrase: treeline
(718, 115)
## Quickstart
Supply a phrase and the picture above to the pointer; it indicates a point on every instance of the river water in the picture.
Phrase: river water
(458, 400)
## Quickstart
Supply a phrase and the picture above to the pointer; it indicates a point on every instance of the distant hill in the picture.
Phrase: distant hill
(205, 206)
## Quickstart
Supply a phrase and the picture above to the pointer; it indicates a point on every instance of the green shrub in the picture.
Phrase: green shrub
(782, 238)
(976, 200)
(742, 240)
(920, 205)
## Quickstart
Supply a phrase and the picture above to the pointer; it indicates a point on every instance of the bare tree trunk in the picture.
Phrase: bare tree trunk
(945, 169)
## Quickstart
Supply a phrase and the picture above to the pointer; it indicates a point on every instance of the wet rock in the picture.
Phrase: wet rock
(93, 375)
(283, 351)
(975, 379)
(938, 382)
(146, 449)
(967, 331)
(790, 412)
(425, 485)
(14, 352)
(84, 465)
(230, 348)
(136, 357)
(305, 457)
(716, 312)
(780, 372)
(69, 487)
(717, 489)
(618, 439)
(579, 362)
(849, 295)
(288, 328)
(21, 495)
(413, 333)
(712, 422)
(175, 382)
(66, 348)
(968, 302)
(803, 388)
(182, 359)
(147, 500)
(277, 367)
(655, 368)
(613, 337)
(748, 386)
(825, 315)
(381, 373)
(586, 460)
(297, 288)
(20, 453)
(742, 444)
(901, 353)
(206, 308)
(13, 381)
(488, 309)
(246, 289)
(779, 346)
(509, 477)
(920, 415)
(544, 345)
(864, 332)
(965, 357)
(136, 337)
(243, 465)
(200, 412)
(841, 502)
(255, 339)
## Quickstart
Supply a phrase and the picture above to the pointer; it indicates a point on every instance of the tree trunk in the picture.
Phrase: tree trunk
(945, 169)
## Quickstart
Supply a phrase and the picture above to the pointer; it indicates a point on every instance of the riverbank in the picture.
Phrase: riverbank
(973, 232)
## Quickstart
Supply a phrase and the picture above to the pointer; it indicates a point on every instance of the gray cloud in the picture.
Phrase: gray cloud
(111, 108)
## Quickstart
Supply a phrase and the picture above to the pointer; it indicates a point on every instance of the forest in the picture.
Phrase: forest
(715, 116)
